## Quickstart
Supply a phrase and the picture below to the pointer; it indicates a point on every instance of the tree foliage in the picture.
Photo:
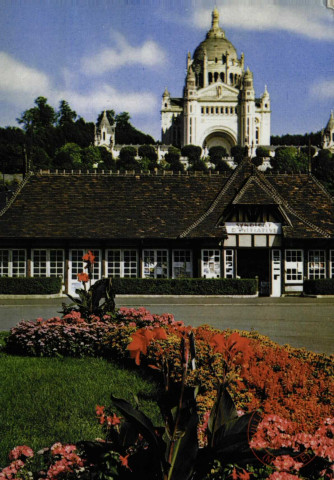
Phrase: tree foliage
(289, 160)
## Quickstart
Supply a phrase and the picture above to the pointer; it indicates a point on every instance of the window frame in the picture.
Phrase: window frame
(154, 266)
(188, 264)
(11, 267)
(48, 261)
(319, 266)
(216, 273)
(121, 260)
(299, 269)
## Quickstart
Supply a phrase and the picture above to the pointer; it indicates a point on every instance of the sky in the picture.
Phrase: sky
(121, 54)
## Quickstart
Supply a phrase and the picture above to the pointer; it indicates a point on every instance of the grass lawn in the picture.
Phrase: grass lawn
(43, 400)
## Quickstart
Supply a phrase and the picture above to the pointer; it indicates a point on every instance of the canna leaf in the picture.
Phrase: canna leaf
(223, 411)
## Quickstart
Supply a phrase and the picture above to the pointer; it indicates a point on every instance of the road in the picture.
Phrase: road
(301, 322)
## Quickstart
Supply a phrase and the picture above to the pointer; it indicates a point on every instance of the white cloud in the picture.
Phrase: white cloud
(149, 54)
(310, 20)
(323, 90)
(106, 97)
(18, 81)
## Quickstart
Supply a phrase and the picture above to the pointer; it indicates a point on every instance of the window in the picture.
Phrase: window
(122, 263)
(104, 135)
(211, 263)
(12, 263)
(229, 264)
(294, 266)
(47, 263)
(182, 263)
(331, 267)
(4, 263)
(155, 263)
(78, 265)
(316, 264)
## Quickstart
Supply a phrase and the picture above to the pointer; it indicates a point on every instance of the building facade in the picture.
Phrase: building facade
(279, 228)
(218, 106)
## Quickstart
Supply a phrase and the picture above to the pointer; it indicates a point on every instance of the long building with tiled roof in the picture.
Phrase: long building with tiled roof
(277, 227)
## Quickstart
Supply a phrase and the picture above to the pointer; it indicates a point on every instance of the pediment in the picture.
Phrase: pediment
(218, 91)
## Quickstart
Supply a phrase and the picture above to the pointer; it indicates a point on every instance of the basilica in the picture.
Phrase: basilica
(218, 106)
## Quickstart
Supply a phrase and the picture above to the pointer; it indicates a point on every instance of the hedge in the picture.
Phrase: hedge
(30, 286)
(323, 286)
(184, 286)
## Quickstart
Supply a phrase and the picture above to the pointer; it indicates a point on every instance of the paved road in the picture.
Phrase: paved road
(301, 322)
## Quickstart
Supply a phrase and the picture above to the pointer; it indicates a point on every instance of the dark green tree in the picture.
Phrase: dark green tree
(192, 152)
(107, 161)
(126, 134)
(289, 160)
(39, 117)
(222, 166)
(68, 157)
(12, 150)
(239, 153)
(173, 160)
(217, 153)
(65, 114)
(127, 161)
(149, 157)
(323, 168)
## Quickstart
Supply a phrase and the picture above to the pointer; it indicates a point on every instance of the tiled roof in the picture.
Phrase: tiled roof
(104, 206)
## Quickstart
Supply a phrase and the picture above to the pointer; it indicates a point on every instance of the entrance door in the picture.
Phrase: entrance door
(255, 262)
(276, 274)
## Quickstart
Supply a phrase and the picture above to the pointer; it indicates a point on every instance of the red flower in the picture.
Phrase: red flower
(83, 277)
(124, 461)
(114, 420)
(99, 409)
(141, 339)
(89, 257)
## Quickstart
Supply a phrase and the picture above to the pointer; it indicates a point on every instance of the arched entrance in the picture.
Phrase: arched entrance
(219, 139)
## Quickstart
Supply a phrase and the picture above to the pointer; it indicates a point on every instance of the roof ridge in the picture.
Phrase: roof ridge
(250, 179)
(289, 208)
(214, 203)
(13, 198)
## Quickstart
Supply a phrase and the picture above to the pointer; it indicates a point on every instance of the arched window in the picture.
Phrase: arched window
(222, 76)
(165, 105)
(224, 59)
(216, 76)
(104, 135)
(210, 77)
(231, 78)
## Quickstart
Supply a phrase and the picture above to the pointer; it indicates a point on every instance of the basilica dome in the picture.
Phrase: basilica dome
(216, 44)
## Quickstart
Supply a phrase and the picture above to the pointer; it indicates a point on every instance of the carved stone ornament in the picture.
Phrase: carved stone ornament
(330, 4)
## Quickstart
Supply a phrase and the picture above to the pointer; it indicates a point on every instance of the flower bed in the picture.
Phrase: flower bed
(294, 385)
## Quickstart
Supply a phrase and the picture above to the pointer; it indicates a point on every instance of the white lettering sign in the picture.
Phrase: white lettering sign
(240, 228)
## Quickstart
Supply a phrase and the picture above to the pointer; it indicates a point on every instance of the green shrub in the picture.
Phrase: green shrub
(184, 286)
(30, 286)
(323, 286)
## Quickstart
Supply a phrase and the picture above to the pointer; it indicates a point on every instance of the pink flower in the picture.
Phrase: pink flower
(21, 450)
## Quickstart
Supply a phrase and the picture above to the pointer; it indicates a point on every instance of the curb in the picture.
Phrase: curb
(28, 297)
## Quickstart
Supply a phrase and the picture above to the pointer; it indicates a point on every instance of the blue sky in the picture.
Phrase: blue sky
(121, 54)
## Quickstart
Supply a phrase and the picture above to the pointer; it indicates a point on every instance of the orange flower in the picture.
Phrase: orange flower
(83, 277)
(99, 409)
(89, 257)
(114, 420)
(124, 461)
(141, 339)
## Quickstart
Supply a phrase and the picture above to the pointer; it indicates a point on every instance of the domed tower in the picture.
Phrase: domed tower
(217, 100)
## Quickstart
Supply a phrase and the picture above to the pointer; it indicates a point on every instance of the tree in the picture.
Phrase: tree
(12, 150)
(192, 152)
(289, 160)
(39, 117)
(323, 168)
(65, 114)
(149, 156)
(39, 159)
(107, 161)
(173, 160)
(262, 152)
(239, 153)
(68, 157)
(126, 134)
(90, 157)
(222, 166)
(216, 153)
(126, 160)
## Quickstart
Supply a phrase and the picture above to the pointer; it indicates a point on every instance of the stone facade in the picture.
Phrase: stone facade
(328, 134)
(218, 106)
